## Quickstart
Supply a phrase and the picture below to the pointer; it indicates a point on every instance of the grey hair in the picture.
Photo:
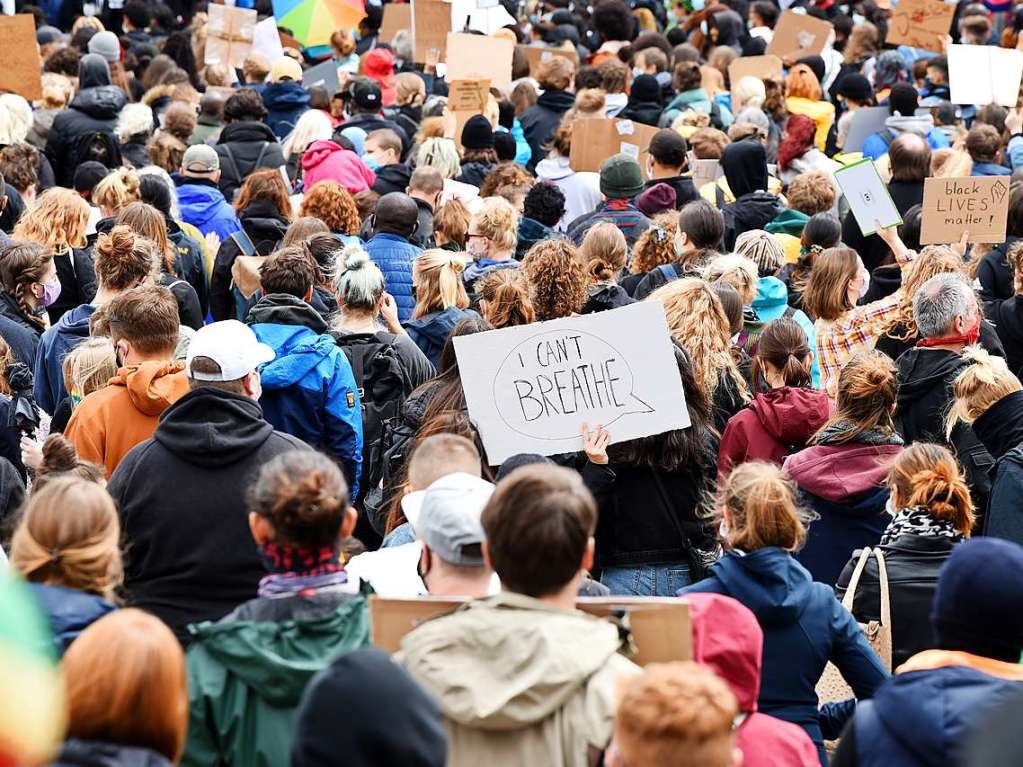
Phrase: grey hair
(134, 120)
(755, 116)
(938, 302)
(402, 45)
(358, 281)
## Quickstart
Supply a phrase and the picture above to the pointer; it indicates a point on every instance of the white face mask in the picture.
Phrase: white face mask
(476, 247)
(889, 505)
(637, 71)
(679, 245)
(864, 282)
(649, 168)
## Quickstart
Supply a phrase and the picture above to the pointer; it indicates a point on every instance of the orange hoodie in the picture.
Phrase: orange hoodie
(110, 422)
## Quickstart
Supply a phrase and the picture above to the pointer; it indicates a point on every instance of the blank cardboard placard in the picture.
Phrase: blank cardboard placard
(477, 57)
(596, 139)
(267, 40)
(978, 205)
(21, 70)
(530, 388)
(980, 74)
(705, 171)
(431, 23)
(868, 196)
(921, 24)
(866, 121)
(760, 67)
(797, 35)
(229, 35)
(397, 16)
(537, 55)
(660, 629)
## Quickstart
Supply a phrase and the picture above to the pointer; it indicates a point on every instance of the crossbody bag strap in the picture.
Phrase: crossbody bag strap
(886, 604)
(850, 592)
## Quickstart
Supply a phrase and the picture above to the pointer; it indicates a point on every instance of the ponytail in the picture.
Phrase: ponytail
(438, 278)
(927, 476)
(784, 344)
(761, 501)
(507, 299)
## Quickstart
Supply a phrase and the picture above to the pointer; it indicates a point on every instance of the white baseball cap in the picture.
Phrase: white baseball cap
(449, 518)
(233, 346)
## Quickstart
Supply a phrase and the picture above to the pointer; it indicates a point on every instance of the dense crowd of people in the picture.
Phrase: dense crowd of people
(232, 413)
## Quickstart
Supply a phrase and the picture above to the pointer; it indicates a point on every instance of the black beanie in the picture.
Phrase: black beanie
(477, 133)
(903, 100)
(645, 88)
(816, 64)
(504, 145)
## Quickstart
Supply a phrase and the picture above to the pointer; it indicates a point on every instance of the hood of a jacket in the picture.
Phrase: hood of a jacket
(246, 130)
(150, 384)
(531, 230)
(730, 27)
(396, 175)
(319, 151)
(728, 640)
(771, 294)
(437, 327)
(209, 427)
(755, 209)
(277, 659)
(607, 295)
(299, 351)
(553, 168)
(285, 95)
(201, 199)
(284, 309)
(792, 414)
(839, 473)
(101, 102)
(261, 220)
(745, 168)
(75, 323)
(507, 662)
(788, 222)
(768, 581)
(93, 71)
(556, 101)
(686, 99)
(69, 612)
(94, 753)
(1001, 427)
(921, 370)
(921, 125)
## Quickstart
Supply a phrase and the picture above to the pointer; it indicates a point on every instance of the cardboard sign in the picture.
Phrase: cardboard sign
(465, 99)
(21, 70)
(921, 24)
(537, 55)
(397, 16)
(267, 40)
(760, 67)
(431, 23)
(477, 57)
(797, 35)
(704, 171)
(868, 196)
(530, 388)
(229, 35)
(596, 139)
(324, 75)
(978, 205)
(866, 121)
(980, 74)
(659, 628)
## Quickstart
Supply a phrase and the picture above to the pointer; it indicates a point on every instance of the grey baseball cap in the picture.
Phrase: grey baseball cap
(200, 158)
(449, 519)
(106, 45)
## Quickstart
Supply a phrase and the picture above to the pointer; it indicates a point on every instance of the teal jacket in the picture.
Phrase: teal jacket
(697, 100)
(771, 302)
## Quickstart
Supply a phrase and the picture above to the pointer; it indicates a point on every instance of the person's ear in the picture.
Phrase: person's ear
(486, 555)
(262, 531)
(252, 385)
(215, 177)
(308, 295)
(588, 554)
(351, 517)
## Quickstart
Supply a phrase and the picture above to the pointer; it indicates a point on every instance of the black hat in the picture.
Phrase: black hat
(366, 94)
(477, 133)
(816, 63)
(645, 88)
(903, 99)
(504, 145)
(856, 87)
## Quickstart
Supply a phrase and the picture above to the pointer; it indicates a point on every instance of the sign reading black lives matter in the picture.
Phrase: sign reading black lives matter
(530, 388)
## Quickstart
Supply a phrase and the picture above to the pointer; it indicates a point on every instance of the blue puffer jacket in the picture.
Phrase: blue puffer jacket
(203, 206)
(430, 332)
(309, 391)
(285, 103)
(54, 345)
(69, 612)
(394, 255)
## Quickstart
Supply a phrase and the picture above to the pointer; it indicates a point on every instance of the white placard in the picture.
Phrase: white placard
(980, 74)
(866, 121)
(867, 195)
(530, 388)
(267, 41)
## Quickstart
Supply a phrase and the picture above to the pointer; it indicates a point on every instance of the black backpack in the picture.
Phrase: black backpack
(95, 146)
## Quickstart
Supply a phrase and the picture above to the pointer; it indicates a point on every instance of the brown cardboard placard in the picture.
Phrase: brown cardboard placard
(537, 54)
(661, 629)
(229, 35)
(797, 35)
(397, 16)
(760, 67)
(21, 70)
(978, 205)
(465, 99)
(431, 23)
(921, 24)
(596, 139)
(478, 57)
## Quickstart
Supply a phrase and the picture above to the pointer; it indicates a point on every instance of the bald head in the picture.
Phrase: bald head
(910, 157)
(396, 213)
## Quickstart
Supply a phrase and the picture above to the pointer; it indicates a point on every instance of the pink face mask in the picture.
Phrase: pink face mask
(51, 292)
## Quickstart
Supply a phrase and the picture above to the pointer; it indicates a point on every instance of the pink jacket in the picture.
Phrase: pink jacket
(326, 161)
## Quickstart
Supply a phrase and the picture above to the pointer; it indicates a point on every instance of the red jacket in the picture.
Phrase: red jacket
(325, 160)
(727, 639)
(772, 426)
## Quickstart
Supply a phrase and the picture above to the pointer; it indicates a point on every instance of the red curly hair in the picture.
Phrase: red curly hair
(798, 138)
(333, 205)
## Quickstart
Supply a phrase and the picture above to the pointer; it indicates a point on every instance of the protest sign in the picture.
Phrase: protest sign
(868, 196)
(431, 23)
(229, 35)
(465, 99)
(704, 171)
(981, 75)
(267, 40)
(596, 139)
(978, 205)
(530, 388)
(797, 35)
(324, 75)
(660, 628)
(760, 67)
(20, 72)
(477, 57)
(866, 121)
(397, 16)
(921, 24)
(537, 54)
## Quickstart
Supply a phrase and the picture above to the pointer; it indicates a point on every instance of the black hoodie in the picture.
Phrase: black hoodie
(1007, 316)
(244, 147)
(190, 556)
(392, 178)
(745, 167)
(541, 120)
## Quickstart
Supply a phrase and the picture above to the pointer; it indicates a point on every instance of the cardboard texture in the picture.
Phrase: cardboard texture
(229, 35)
(594, 140)
(431, 23)
(21, 70)
(661, 630)
(465, 99)
(978, 205)
(981, 74)
(921, 24)
(397, 16)
(476, 57)
(760, 67)
(797, 35)
(536, 55)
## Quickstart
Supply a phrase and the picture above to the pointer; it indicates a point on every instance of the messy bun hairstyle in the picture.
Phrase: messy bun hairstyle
(603, 250)
(119, 263)
(983, 383)
(866, 398)
(784, 344)
(738, 271)
(60, 459)
(358, 282)
(507, 301)
(147, 221)
(437, 276)
(498, 221)
(761, 501)
(304, 496)
(927, 475)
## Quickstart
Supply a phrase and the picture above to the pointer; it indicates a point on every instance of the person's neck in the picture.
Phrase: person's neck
(420, 196)
(499, 255)
(138, 359)
(475, 583)
(358, 322)
(566, 598)
(953, 347)
(660, 171)
(103, 295)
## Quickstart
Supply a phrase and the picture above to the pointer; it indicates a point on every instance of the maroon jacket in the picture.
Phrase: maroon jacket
(772, 426)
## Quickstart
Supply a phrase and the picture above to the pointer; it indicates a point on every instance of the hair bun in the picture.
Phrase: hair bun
(117, 243)
(59, 455)
(457, 264)
(354, 257)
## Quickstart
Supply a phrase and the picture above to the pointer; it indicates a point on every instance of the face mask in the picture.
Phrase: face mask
(649, 168)
(476, 248)
(51, 292)
(973, 334)
(637, 71)
(723, 529)
(703, 27)
(679, 245)
(889, 505)
(698, 5)
(864, 282)
(371, 162)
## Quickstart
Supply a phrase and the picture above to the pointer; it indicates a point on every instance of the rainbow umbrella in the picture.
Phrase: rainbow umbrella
(313, 21)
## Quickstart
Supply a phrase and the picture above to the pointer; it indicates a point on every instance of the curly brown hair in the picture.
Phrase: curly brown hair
(18, 164)
(333, 205)
(557, 279)
(505, 174)
(264, 185)
(656, 246)
(811, 193)
(166, 151)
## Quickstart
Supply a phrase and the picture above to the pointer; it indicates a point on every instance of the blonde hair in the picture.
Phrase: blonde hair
(15, 119)
(603, 251)
(802, 83)
(117, 189)
(437, 275)
(927, 475)
(589, 102)
(748, 92)
(933, 260)
(697, 320)
(409, 89)
(58, 220)
(440, 153)
(983, 383)
(313, 125)
(951, 163)
(57, 90)
(761, 501)
(89, 367)
(738, 271)
(498, 221)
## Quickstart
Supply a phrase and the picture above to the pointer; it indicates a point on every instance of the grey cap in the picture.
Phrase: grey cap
(200, 158)
(107, 45)
(449, 520)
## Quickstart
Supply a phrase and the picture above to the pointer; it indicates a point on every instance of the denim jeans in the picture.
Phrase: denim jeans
(646, 580)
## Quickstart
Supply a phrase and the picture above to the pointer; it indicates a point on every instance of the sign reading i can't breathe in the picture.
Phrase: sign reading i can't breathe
(978, 205)
(529, 389)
